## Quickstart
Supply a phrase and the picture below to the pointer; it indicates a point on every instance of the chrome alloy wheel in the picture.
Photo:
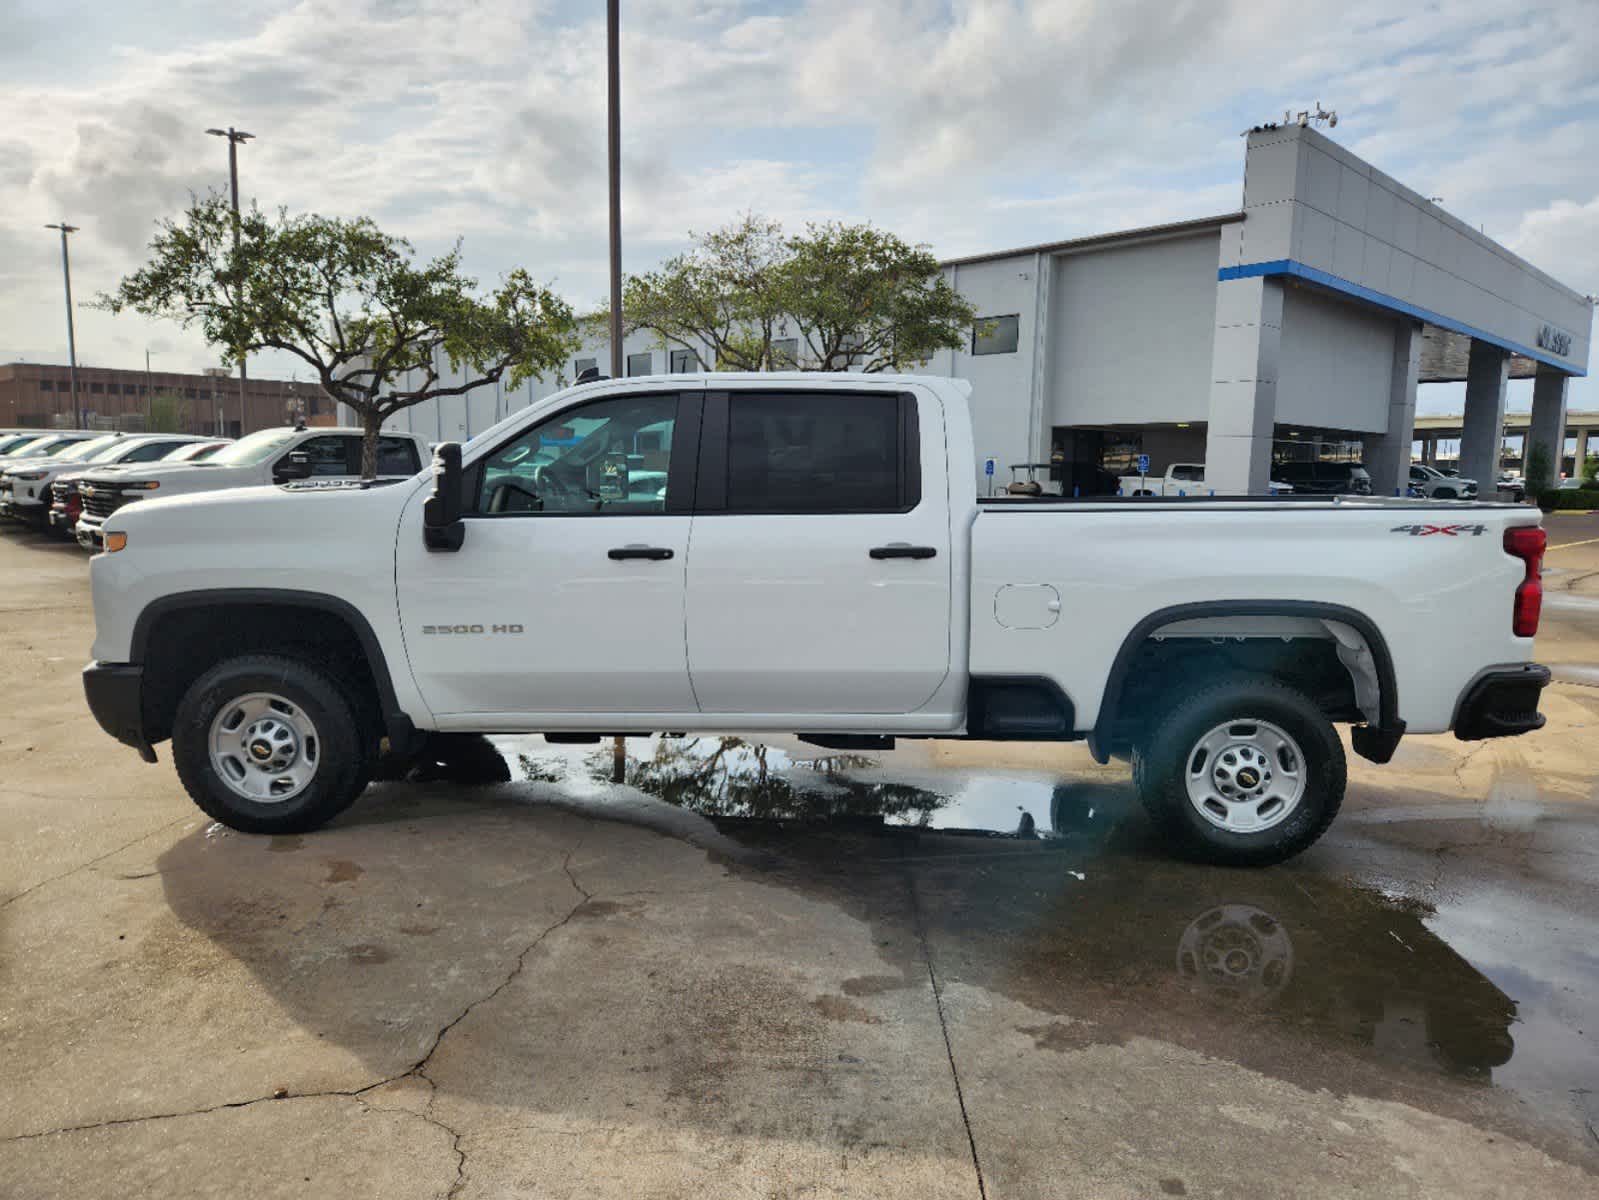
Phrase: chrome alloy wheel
(264, 747)
(1245, 776)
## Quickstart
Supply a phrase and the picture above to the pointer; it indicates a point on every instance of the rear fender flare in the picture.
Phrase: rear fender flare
(1382, 664)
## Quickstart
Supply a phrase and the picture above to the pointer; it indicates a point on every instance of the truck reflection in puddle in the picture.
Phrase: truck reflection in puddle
(1064, 904)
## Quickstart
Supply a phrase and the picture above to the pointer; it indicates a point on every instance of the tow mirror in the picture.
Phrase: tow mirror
(296, 466)
(442, 527)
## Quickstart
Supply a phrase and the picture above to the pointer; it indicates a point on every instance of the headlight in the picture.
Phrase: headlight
(148, 485)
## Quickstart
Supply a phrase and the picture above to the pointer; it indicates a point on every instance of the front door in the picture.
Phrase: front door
(820, 575)
(566, 597)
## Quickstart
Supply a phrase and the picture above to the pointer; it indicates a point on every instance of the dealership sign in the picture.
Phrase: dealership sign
(1556, 341)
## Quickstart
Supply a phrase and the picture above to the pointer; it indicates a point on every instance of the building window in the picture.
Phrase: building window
(46, 386)
(583, 364)
(785, 354)
(129, 389)
(996, 335)
(96, 389)
(682, 362)
(640, 363)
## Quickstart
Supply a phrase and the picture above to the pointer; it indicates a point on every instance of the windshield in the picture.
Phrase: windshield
(13, 444)
(194, 452)
(92, 450)
(44, 447)
(257, 448)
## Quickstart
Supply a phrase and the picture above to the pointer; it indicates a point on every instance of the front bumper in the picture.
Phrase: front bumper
(1502, 702)
(116, 698)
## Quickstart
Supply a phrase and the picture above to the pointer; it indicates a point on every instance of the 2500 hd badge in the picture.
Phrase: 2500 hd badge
(471, 629)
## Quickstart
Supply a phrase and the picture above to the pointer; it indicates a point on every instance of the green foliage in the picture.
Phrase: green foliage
(169, 413)
(350, 301)
(1590, 469)
(855, 298)
(1540, 473)
(1569, 498)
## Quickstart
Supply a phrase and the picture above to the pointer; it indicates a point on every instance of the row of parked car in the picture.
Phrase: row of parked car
(70, 481)
(1308, 478)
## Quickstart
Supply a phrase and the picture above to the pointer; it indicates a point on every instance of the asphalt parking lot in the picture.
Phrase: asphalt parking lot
(776, 971)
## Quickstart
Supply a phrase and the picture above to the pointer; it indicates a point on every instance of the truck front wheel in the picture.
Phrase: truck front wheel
(266, 744)
(1246, 772)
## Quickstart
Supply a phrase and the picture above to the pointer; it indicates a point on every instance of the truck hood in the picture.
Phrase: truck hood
(183, 477)
(221, 515)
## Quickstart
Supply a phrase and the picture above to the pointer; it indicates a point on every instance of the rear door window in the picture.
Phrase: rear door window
(329, 455)
(818, 452)
(397, 456)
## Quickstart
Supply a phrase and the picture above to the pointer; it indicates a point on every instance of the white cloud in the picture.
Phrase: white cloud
(969, 124)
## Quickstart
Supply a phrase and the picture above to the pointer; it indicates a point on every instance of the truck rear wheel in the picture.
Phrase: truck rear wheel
(1247, 772)
(267, 744)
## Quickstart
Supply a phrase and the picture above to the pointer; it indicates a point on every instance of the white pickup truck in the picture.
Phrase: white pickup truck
(817, 562)
(266, 456)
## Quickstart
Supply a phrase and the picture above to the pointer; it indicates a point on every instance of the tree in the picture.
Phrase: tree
(1540, 472)
(854, 297)
(169, 413)
(350, 301)
(723, 295)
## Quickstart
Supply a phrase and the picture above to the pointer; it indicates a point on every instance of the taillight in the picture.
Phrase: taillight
(1527, 543)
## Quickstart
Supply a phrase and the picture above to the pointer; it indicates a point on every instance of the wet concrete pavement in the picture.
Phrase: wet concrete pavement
(946, 970)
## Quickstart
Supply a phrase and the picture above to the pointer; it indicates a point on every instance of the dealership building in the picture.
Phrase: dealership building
(1299, 326)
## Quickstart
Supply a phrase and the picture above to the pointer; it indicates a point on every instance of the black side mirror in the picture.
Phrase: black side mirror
(296, 466)
(442, 527)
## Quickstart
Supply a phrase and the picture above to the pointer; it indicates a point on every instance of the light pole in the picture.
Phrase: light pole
(613, 22)
(72, 340)
(613, 153)
(235, 137)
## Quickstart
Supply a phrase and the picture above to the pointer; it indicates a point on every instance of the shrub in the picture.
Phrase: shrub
(1569, 498)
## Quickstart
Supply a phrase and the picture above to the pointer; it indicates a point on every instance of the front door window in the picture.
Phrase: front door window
(609, 457)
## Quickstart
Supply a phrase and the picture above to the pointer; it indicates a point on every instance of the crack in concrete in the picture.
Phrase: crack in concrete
(84, 866)
(943, 1025)
(417, 1070)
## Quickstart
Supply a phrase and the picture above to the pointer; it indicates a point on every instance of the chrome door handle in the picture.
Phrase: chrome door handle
(902, 550)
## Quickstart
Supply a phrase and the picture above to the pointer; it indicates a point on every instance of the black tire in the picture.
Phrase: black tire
(1161, 759)
(344, 762)
(1445, 494)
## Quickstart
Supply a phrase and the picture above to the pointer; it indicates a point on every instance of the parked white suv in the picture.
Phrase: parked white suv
(817, 562)
(1181, 479)
(1432, 484)
(318, 455)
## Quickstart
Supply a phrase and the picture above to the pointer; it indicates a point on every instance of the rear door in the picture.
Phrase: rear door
(819, 572)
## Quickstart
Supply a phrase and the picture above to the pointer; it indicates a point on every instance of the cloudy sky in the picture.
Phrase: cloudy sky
(967, 124)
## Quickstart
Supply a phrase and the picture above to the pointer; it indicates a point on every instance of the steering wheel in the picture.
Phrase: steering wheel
(551, 482)
(504, 489)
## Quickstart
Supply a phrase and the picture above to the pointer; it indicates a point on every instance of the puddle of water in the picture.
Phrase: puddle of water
(725, 777)
(1483, 988)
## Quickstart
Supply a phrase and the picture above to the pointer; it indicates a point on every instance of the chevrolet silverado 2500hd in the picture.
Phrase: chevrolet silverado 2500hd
(807, 554)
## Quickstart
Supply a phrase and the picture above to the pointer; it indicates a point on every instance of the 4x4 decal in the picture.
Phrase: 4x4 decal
(1448, 530)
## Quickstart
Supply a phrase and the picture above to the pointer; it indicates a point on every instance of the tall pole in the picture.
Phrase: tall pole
(613, 22)
(233, 186)
(235, 136)
(149, 396)
(613, 137)
(72, 340)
